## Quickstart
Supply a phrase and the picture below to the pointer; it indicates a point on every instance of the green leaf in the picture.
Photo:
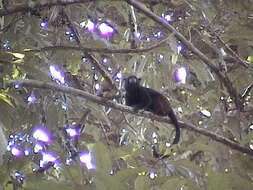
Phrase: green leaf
(142, 183)
(103, 158)
(15, 72)
(250, 59)
(177, 183)
(17, 55)
(38, 183)
(7, 99)
(227, 181)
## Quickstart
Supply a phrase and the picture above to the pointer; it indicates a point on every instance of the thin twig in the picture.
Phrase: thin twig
(27, 8)
(123, 108)
(83, 119)
(235, 55)
(247, 91)
(9, 25)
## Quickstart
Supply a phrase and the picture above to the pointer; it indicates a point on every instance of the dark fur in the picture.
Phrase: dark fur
(148, 99)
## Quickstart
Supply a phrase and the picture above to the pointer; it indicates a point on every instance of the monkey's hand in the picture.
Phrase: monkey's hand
(138, 110)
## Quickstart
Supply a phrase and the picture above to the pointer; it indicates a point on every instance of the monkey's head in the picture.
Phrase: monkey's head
(131, 82)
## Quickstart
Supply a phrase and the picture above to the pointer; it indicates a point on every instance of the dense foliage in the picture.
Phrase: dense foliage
(62, 69)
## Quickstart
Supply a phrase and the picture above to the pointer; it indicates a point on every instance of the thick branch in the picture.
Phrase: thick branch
(26, 8)
(101, 101)
(224, 79)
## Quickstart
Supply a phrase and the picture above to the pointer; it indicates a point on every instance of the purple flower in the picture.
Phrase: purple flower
(105, 29)
(86, 159)
(49, 159)
(90, 26)
(56, 74)
(42, 134)
(73, 130)
(17, 151)
(31, 99)
(180, 75)
(44, 24)
(38, 147)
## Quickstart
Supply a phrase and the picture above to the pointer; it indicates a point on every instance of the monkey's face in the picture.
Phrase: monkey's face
(132, 82)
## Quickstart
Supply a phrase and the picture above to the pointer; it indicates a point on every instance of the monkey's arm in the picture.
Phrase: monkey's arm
(146, 99)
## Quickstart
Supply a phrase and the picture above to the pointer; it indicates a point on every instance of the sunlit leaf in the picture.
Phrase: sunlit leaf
(17, 55)
(250, 59)
(7, 99)
(15, 72)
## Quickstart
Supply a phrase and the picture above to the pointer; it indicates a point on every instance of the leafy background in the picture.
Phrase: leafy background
(121, 143)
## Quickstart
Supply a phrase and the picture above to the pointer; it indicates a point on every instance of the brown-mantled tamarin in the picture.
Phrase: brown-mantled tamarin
(140, 97)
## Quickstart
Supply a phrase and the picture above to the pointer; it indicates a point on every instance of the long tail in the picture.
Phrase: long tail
(174, 120)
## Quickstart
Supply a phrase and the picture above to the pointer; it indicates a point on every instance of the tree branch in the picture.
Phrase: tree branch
(235, 55)
(91, 57)
(247, 91)
(98, 50)
(224, 79)
(27, 8)
(123, 108)
(9, 25)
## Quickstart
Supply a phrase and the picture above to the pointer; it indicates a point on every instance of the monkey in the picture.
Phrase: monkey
(148, 99)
